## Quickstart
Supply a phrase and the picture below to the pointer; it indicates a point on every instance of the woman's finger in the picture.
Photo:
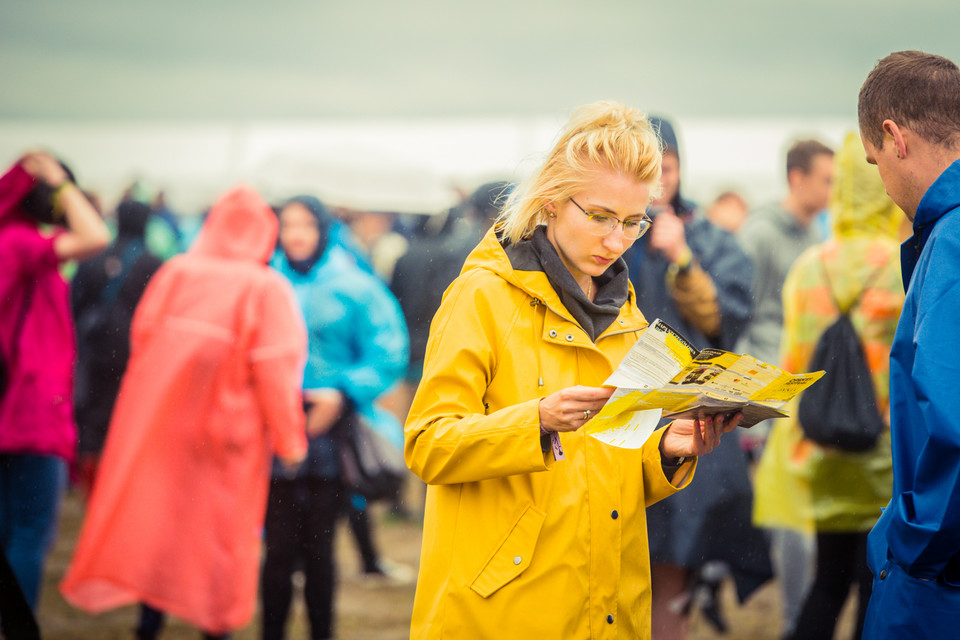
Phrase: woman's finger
(698, 433)
(719, 427)
(734, 421)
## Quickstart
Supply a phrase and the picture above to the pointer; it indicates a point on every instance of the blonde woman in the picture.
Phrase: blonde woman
(533, 529)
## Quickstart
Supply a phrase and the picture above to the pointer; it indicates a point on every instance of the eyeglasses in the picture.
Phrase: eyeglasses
(601, 224)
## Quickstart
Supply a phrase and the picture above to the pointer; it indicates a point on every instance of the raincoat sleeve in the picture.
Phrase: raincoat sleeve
(731, 271)
(924, 532)
(695, 295)
(656, 484)
(449, 438)
(277, 357)
(382, 344)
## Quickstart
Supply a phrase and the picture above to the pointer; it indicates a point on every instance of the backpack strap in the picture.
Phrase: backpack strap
(856, 299)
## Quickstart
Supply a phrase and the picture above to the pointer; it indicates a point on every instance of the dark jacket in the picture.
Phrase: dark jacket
(422, 275)
(104, 293)
(711, 520)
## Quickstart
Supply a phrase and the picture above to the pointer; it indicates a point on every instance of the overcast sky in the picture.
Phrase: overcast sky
(218, 59)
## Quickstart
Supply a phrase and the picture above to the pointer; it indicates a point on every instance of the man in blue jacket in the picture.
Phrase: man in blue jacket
(909, 112)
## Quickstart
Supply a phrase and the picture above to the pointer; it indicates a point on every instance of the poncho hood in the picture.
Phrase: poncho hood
(240, 226)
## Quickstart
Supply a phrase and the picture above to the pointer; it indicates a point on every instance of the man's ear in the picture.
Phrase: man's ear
(794, 176)
(896, 134)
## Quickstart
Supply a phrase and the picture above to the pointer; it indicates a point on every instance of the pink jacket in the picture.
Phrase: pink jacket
(36, 411)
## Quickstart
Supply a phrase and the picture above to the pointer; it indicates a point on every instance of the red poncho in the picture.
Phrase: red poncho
(211, 391)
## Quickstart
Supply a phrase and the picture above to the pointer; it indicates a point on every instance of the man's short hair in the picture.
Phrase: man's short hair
(917, 90)
(801, 154)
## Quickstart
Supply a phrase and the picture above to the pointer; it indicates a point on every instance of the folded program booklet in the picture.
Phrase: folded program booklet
(663, 374)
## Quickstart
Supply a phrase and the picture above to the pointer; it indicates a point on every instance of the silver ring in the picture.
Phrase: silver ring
(586, 414)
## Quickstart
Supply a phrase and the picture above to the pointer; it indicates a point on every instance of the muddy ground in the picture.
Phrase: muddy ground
(363, 611)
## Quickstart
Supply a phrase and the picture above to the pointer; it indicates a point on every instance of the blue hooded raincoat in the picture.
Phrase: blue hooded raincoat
(914, 549)
(357, 343)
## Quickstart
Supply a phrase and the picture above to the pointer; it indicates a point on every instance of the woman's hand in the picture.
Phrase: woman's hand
(570, 408)
(327, 407)
(668, 235)
(44, 167)
(687, 438)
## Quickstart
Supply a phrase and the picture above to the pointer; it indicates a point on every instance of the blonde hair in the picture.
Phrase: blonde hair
(600, 136)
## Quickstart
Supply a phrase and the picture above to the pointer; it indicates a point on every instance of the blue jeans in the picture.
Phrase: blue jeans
(30, 490)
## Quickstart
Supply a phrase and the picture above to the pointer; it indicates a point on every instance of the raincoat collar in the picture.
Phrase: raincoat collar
(593, 316)
(941, 198)
(490, 255)
(241, 226)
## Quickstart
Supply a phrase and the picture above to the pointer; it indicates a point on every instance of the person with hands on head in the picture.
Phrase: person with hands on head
(523, 507)
(37, 431)
(56, 199)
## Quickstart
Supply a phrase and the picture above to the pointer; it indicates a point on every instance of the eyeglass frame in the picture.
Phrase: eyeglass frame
(645, 219)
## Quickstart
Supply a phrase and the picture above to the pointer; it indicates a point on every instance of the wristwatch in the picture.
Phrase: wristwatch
(682, 265)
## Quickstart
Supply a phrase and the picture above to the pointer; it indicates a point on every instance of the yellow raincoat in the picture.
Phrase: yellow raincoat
(515, 543)
(798, 484)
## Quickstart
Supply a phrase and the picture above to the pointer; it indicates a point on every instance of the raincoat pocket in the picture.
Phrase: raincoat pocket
(512, 555)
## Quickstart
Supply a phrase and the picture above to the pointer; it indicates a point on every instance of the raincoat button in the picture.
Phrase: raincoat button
(553, 333)
(609, 619)
(517, 560)
(883, 574)
(614, 515)
(569, 338)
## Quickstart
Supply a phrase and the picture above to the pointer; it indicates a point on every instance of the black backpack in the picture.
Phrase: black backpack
(840, 410)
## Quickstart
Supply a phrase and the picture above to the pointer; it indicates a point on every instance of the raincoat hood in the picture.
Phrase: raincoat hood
(490, 255)
(15, 184)
(668, 138)
(324, 221)
(240, 226)
(859, 202)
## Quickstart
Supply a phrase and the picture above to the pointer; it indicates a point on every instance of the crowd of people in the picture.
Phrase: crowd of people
(198, 393)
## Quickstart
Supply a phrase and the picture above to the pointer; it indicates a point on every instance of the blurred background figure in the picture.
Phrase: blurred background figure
(728, 211)
(37, 432)
(164, 236)
(433, 261)
(373, 232)
(693, 275)
(803, 485)
(357, 349)
(104, 292)
(773, 237)
(212, 387)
